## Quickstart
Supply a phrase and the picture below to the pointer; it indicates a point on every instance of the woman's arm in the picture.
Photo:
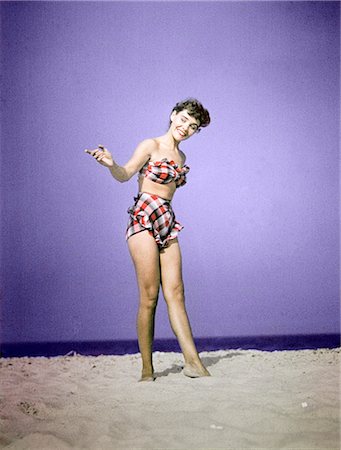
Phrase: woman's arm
(124, 173)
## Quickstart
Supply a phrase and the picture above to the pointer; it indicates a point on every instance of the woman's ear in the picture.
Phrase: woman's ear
(174, 113)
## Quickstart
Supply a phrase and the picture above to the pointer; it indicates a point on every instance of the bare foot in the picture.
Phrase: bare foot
(147, 379)
(147, 376)
(195, 371)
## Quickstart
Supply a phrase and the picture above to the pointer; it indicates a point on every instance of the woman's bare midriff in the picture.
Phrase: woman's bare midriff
(165, 191)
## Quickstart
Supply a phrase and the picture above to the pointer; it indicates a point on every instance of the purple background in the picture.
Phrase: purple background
(260, 244)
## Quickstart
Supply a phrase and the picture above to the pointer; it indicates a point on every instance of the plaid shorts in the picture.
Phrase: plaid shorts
(155, 214)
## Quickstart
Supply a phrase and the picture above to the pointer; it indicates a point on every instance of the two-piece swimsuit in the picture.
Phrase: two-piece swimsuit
(151, 212)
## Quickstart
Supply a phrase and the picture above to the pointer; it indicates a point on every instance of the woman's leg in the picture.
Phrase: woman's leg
(173, 291)
(145, 255)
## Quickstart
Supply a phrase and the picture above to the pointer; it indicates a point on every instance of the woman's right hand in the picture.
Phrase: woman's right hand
(102, 155)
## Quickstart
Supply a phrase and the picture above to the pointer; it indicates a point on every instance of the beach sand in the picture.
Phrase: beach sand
(254, 400)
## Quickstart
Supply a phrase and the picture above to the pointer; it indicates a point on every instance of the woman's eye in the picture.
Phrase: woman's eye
(194, 127)
(183, 120)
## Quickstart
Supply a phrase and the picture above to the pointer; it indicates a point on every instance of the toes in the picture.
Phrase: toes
(147, 378)
(193, 372)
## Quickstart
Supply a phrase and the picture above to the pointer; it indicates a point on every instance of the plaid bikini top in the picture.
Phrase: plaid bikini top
(164, 172)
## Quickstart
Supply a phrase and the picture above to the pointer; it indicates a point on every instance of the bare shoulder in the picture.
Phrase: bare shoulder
(144, 150)
(149, 144)
(183, 157)
(141, 155)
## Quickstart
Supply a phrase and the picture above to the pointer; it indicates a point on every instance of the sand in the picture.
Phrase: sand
(254, 400)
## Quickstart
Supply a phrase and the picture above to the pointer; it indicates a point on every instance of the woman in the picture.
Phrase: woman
(152, 230)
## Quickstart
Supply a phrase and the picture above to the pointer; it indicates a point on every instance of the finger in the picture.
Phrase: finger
(90, 152)
(101, 147)
(98, 153)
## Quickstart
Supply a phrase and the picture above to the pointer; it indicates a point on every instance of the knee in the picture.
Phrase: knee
(175, 292)
(149, 297)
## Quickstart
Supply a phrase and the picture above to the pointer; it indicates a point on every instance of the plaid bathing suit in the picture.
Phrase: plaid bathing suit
(155, 214)
(164, 172)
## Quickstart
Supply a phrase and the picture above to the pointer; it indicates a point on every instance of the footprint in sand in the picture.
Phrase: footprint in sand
(40, 411)
(28, 409)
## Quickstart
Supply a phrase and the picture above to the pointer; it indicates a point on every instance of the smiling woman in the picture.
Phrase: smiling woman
(192, 113)
(185, 125)
(153, 229)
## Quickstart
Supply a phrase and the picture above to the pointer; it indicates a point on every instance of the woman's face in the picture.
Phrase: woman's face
(183, 125)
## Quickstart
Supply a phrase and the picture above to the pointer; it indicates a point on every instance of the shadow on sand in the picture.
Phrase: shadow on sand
(208, 361)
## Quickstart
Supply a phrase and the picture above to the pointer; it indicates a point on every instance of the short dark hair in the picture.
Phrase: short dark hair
(195, 109)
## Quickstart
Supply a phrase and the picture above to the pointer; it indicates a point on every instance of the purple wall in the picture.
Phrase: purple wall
(260, 244)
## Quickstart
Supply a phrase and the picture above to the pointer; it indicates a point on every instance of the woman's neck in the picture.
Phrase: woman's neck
(169, 141)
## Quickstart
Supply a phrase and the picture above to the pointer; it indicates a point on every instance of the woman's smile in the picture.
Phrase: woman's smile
(181, 132)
